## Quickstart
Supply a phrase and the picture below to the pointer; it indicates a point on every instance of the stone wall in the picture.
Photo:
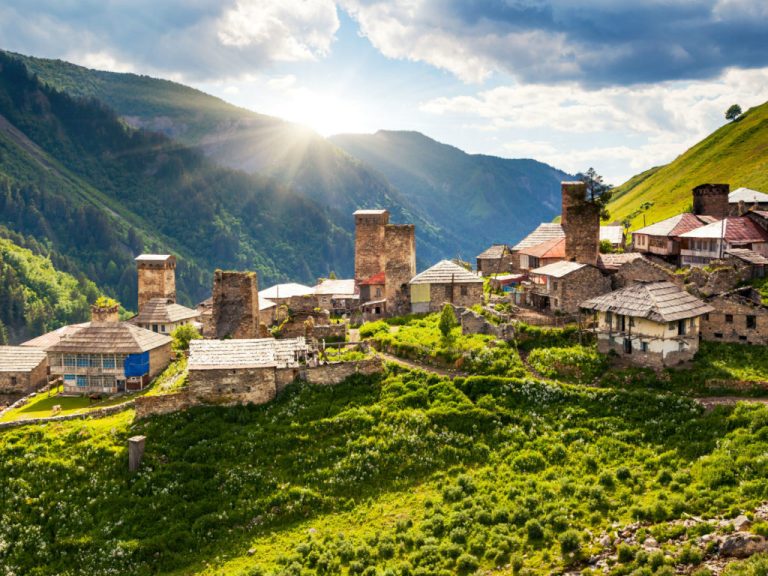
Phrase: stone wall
(641, 270)
(159, 358)
(581, 224)
(96, 413)
(233, 386)
(14, 385)
(164, 404)
(728, 323)
(570, 291)
(157, 280)
(335, 373)
(474, 323)
(235, 304)
(718, 277)
(711, 200)
(506, 263)
(464, 294)
(660, 354)
(370, 256)
(400, 265)
(330, 332)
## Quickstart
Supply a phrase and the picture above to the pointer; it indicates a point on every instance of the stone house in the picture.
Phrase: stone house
(281, 293)
(22, 371)
(630, 268)
(701, 246)
(651, 324)
(542, 233)
(738, 316)
(372, 297)
(164, 317)
(495, 260)
(104, 355)
(561, 286)
(445, 282)
(743, 199)
(243, 371)
(756, 263)
(663, 238)
(547, 252)
(338, 297)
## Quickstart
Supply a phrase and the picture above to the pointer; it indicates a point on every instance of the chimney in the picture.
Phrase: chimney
(580, 220)
(711, 200)
(105, 313)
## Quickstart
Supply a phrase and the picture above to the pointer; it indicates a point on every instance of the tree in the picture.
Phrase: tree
(182, 336)
(447, 321)
(598, 192)
(733, 112)
(606, 247)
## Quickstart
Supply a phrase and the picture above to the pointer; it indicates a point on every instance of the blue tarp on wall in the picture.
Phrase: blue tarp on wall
(137, 364)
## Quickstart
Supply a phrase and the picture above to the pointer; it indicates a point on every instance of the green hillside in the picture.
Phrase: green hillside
(96, 192)
(736, 154)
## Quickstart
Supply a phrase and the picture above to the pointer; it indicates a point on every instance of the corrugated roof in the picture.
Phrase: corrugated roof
(336, 288)
(656, 301)
(376, 279)
(494, 252)
(20, 358)
(543, 232)
(748, 196)
(558, 269)
(286, 291)
(737, 229)
(160, 311)
(613, 233)
(105, 337)
(554, 248)
(747, 255)
(153, 257)
(248, 353)
(676, 225)
(446, 272)
(616, 261)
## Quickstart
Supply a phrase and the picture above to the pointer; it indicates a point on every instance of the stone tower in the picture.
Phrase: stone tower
(370, 257)
(400, 265)
(235, 305)
(581, 224)
(711, 200)
(157, 277)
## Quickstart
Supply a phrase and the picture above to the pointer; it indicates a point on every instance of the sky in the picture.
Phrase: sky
(617, 85)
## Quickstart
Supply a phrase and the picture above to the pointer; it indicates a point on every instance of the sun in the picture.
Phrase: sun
(327, 113)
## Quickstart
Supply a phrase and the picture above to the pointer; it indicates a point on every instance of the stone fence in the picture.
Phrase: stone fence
(95, 413)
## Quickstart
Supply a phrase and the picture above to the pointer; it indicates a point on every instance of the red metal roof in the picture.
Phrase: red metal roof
(554, 248)
(375, 280)
(687, 223)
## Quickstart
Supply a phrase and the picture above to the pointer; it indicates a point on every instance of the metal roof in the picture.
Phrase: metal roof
(377, 279)
(153, 257)
(554, 248)
(543, 232)
(676, 225)
(286, 291)
(656, 301)
(20, 358)
(368, 212)
(733, 230)
(559, 269)
(748, 196)
(160, 311)
(246, 353)
(747, 255)
(446, 272)
(613, 233)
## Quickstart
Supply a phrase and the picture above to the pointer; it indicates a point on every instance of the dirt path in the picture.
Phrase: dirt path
(709, 403)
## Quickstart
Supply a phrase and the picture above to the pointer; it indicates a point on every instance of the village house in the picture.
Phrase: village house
(22, 371)
(630, 268)
(743, 199)
(652, 324)
(445, 282)
(711, 242)
(338, 297)
(495, 260)
(663, 238)
(374, 303)
(613, 234)
(561, 286)
(738, 316)
(756, 262)
(281, 293)
(542, 233)
(547, 252)
(243, 371)
(104, 355)
(164, 317)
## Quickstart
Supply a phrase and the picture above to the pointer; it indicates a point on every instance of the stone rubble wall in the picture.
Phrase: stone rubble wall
(235, 304)
(96, 413)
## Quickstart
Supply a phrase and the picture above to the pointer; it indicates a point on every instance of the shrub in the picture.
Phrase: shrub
(370, 329)
(534, 529)
(467, 563)
(570, 542)
(579, 364)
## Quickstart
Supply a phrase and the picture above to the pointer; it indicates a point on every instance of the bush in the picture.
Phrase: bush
(182, 336)
(576, 363)
(570, 542)
(370, 329)
(467, 563)
(534, 529)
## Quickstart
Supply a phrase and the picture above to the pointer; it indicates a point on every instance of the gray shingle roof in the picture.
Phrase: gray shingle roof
(20, 358)
(495, 251)
(248, 353)
(657, 301)
(159, 311)
(748, 196)
(616, 261)
(339, 288)
(747, 255)
(543, 232)
(559, 269)
(446, 272)
(104, 338)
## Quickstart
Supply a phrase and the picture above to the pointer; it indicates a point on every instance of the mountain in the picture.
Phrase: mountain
(484, 198)
(95, 192)
(736, 153)
(436, 188)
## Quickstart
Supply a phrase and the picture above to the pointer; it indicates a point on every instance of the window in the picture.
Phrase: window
(83, 361)
(673, 325)
(554, 284)
(681, 346)
(154, 327)
(14, 380)
(627, 345)
(718, 334)
(644, 346)
(108, 362)
(681, 328)
(82, 381)
(162, 327)
(464, 291)
(729, 318)
(706, 316)
(609, 319)
(751, 322)
(378, 292)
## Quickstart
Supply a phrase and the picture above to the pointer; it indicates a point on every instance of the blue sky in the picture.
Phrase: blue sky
(620, 86)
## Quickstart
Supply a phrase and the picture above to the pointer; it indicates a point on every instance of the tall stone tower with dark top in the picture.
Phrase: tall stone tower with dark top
(400, 265)
(711, 200)
(235, 305)
(157, 277)
(370, 257)
(581, 224)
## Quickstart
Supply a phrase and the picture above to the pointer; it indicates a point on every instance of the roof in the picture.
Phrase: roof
(265, 303)
(616, 261)
(336, 288)
(748, 196)
(153, 257)
(20, 358)
(247, 353)
(100, 337)
(676, 225)
(613, 233)
(559, 269)
(286, 291)
(446, 272)
(494, 252)
(374, 280)
(544, 231)
(368, 212)
(656, 301)
(554, 248)
(737, 229)
(747, 255)
(160, 311)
